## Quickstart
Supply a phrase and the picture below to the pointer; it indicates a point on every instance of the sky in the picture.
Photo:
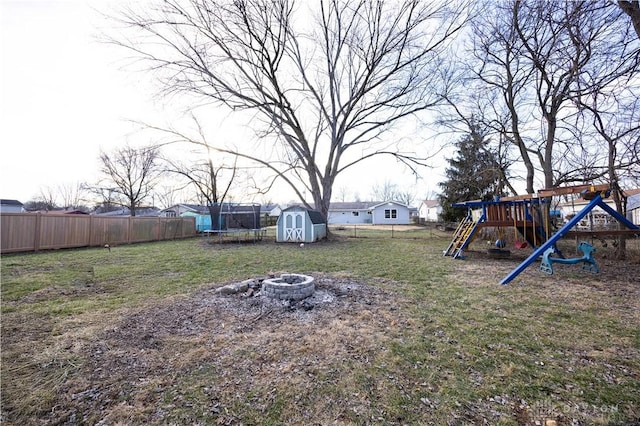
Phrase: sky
(65, 95)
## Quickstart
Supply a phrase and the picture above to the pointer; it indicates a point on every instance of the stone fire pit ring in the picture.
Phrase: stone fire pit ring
(289, 287)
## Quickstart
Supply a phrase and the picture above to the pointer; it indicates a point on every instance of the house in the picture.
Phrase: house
(269, 214)
(271, 210)
(225, 215)
(430, 211)
(11, 206)
(372, 212)
(179, 209)
(298, 224)
(140, 212)
(633, 208)
(343, 213)
(391, 213)
(598, 218)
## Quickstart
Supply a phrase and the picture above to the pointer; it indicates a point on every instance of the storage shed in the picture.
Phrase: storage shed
(300, 225)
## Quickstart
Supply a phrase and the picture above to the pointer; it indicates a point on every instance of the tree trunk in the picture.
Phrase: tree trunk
(632, 8)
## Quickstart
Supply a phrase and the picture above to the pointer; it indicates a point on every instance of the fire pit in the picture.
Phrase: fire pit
(289, 287)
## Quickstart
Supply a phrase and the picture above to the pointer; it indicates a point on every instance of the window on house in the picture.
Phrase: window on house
(355, 213)
(390, 213)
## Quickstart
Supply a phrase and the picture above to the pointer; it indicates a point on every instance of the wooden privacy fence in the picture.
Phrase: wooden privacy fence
(38, 231)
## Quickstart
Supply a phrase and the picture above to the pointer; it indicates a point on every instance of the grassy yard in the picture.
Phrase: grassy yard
(399, 335)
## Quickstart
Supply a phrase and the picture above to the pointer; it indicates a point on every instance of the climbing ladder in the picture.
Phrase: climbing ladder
(461, 237)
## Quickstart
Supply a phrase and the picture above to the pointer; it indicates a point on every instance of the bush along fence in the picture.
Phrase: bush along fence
(46, 231)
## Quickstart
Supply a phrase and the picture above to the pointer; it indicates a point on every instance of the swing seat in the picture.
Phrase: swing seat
(520, 244)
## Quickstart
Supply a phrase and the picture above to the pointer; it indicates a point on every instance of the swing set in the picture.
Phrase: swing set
(530, 216)
(522, 213)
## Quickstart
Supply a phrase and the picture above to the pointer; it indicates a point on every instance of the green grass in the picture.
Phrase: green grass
(466, 350)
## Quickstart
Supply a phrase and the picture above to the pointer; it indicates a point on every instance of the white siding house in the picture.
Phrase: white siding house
(633, 209)
(350, 213)
(598, 218)
(11, 206)
(179, 209)
(430, 211)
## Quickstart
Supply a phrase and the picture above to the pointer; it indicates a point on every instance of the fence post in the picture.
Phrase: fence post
(130, 222)
(36, 237)
(90, 228)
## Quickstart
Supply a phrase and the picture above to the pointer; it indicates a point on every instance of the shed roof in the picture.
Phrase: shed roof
(314, 215)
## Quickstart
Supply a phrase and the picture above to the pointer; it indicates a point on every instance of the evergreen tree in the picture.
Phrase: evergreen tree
(473, 174)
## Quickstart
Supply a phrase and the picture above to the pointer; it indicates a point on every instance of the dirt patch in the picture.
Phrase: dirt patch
(145, 366)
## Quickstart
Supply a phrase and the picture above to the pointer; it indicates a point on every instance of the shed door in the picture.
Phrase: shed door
(293, 226)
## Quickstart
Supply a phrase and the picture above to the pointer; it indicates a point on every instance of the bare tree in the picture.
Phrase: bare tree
(47, 199)
(617, 123)
(71, 195)
(343, 193)
(389, 191)
(132, 173)
(540, 58)
(168, 195)
(325, 80)
(386, 191)
(211, 182)
(493, 90)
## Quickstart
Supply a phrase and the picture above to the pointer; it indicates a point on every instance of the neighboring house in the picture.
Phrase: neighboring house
(391, 213)
(300, 225)
(271, 210)
(11, 206)
(226, 215)
(372, 212)
(343, 213)
(430, 211)
(598, 218)
(140, 212)
(179, 209)
(633, 208)
(269, 214)
(80, 212)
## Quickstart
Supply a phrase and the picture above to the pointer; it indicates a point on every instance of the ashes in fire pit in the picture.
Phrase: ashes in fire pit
(289, 287)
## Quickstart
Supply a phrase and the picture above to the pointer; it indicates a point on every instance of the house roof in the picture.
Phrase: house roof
(431, 203)
(397, 203)
(140, 212)
(314, 215)
(361, 205)
(196, 208)
(355, 205)
(225, 207)
(6, 202)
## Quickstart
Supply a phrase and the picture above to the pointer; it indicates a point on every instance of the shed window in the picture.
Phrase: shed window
(390, 213)
(355, 213)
